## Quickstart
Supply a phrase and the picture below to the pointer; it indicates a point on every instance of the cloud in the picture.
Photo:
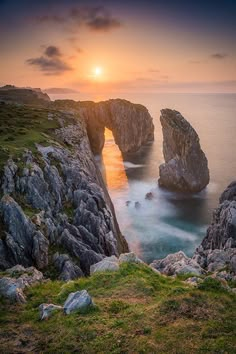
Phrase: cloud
(219, 56)
(50, 62)
(52, 51)
(95, 18)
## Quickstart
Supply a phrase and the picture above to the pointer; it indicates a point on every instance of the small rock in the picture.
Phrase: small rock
(137, 205)
(79, 300)
(193, 281)
(149, 196)
(46, 310)
(10, 289)
(108, 263)
(129, 258)
(128, 202)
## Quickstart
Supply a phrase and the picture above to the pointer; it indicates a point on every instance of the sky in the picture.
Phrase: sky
(119, 46)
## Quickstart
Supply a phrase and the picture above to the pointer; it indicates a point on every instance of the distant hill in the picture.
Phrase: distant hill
(10, 93)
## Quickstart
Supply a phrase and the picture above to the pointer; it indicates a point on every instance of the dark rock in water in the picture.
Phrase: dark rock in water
(137, 205)
(218, 248)
(186, 167)
(128, 202)
(130, 123)
(149, 196)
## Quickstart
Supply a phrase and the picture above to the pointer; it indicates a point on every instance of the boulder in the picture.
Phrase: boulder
(177, 263)
(129, 258)
(78, 301)
(186, 167)
(12, 286)
(46, 310)
(108, 263)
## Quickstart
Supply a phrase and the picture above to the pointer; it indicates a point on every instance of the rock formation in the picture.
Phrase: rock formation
(218, 248)
(130, 123)
(185, 168)
(55, 209)
(21, 95)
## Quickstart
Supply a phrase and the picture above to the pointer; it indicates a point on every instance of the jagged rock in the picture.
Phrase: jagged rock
(46, 310)
(177, 263)
(185, 168)
(130, 257)
(137, 205)
(23, 243)
(79, 300)
(130, 123)
(72, 207)
(218, 248)
(65, 266)
(12, 287)
(108, 263)
(12, 290)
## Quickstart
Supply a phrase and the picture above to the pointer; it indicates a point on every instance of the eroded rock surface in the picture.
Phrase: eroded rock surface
(130, 123)
(177, 263)
(16, 280)
(79, 301)
(186, 167)
(55, 199)
(218, 248)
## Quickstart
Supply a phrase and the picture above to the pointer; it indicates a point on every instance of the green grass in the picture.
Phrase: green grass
(21, 127)
(137, 311)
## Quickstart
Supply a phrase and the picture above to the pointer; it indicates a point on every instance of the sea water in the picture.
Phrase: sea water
(170, 222)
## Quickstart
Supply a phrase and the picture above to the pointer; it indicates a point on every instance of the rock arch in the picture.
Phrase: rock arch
(131, 124)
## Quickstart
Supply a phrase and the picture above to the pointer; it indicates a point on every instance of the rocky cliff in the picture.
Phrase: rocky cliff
(185, 168)
(55, 212)
(14, 94)
(130, 123)
(218, 248)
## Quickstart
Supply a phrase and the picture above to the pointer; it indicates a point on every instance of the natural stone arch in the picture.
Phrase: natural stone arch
(131, 124)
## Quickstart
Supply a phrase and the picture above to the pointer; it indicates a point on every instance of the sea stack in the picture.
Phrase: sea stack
(186, 167)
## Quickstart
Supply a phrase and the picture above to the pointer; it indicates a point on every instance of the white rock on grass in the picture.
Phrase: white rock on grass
(130, 257)
(46, 310)
(108, 263)
(79, 300)
(12, 286)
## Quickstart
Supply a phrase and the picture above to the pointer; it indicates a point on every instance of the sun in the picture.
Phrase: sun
(97, 71)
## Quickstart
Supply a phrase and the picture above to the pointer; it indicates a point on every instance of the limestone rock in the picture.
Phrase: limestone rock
(46, 310)
(130, 257)
(218, 248)
(79, 300)
(12, 286)
(130, 123)
(177, 263)
(67, 269)
(108, 263)
(186, 167)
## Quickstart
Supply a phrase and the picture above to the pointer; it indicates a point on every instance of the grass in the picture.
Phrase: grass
(21, 127)
(137, 311)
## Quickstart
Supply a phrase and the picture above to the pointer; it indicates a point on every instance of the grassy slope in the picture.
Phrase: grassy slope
(21, 127)
(137, 311)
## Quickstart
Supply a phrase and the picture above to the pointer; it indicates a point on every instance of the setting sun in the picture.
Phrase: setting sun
(98, 71)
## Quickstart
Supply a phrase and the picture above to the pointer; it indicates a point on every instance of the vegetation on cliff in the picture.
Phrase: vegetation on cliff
(137, 311)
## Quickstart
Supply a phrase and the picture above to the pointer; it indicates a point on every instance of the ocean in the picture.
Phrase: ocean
(169, 222)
